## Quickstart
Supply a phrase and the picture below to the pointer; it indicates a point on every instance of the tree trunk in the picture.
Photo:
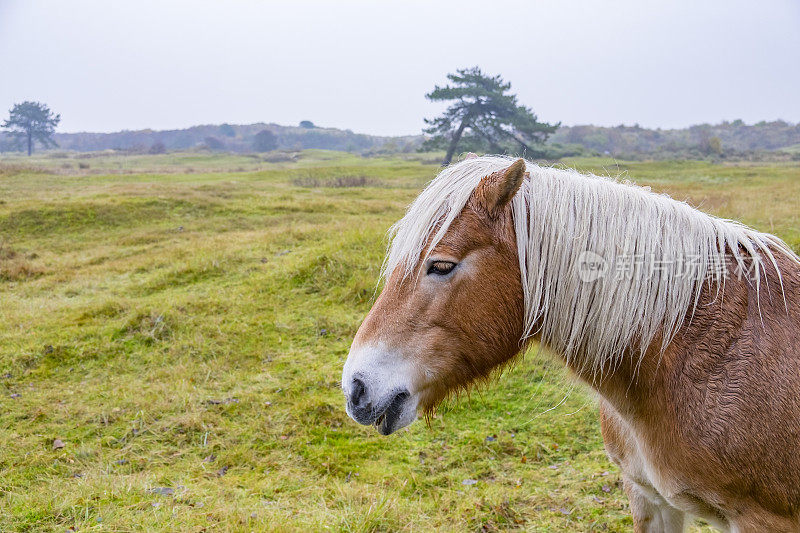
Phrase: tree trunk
(454, 142)
(30, 143)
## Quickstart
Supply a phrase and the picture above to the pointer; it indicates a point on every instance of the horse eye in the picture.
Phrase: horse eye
(441, 268)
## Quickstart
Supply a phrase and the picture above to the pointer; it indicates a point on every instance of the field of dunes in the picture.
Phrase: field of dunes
(172, 331)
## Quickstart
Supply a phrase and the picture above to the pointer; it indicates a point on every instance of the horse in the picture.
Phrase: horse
(686, 327)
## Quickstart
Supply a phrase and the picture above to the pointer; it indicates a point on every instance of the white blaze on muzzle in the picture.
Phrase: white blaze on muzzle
(378, 383)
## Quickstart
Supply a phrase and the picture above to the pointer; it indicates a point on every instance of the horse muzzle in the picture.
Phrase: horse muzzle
(378, 387)
(384, 414)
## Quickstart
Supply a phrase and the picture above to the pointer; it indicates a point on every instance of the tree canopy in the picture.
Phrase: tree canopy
(158, 148)
(29, 122)
(264, 141)
(214, 144)
(483, 117)
(227, 130)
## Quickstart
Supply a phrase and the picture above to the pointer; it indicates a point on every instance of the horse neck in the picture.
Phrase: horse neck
(639, 382)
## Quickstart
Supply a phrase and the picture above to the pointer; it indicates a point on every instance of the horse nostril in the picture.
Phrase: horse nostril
(359, 392)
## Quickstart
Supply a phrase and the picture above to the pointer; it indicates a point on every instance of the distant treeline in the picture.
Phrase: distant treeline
(227, 137)
(728, 139)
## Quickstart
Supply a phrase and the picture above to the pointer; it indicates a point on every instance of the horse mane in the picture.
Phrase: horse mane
(560, 216)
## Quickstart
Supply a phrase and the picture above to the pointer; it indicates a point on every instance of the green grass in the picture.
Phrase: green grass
(180, 325)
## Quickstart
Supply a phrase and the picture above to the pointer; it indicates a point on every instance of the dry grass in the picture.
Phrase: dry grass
(18, 267)
(336, 182)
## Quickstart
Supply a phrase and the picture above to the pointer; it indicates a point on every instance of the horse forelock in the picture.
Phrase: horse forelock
(561, 217)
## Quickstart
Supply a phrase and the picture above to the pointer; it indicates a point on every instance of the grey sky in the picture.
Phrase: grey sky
(366, 65)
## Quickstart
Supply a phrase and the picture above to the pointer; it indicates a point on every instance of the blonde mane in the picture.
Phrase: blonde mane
(565, 220)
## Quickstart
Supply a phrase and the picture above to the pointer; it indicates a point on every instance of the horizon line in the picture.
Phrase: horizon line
(420, 133)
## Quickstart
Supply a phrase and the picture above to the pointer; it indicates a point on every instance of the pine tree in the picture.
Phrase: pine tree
(483, 116)
(30, 122)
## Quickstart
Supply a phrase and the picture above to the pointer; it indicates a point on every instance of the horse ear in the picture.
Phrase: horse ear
(497, 189)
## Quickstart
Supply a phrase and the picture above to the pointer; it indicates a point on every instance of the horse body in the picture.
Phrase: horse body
(711, 427)
(698, 378)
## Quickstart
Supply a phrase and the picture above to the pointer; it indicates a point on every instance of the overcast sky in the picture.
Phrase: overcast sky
(366, 65)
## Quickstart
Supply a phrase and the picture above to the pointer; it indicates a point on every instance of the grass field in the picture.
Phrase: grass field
(172, 331)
